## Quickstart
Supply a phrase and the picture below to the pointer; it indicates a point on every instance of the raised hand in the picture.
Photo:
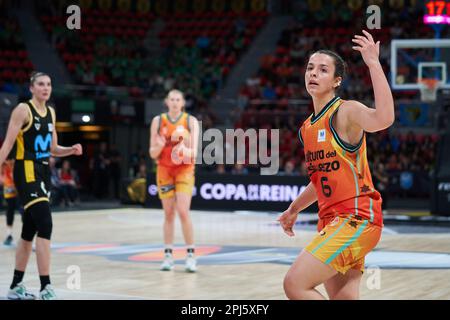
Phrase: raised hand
(370, 51)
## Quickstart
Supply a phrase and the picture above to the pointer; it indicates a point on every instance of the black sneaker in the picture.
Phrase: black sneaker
(8, 241)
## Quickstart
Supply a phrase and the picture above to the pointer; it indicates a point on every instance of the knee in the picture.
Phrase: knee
(289, 286)
(26, 245)
(169, 216)
(295, 288)
(184, 215)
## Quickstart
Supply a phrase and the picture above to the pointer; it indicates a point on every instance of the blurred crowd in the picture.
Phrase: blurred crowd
(195, 52)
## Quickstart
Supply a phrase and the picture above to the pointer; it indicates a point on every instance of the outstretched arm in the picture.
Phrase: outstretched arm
(60, 151)
(383, 116)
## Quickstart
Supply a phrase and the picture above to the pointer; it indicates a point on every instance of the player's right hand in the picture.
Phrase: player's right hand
(160, 141)
(287, 221)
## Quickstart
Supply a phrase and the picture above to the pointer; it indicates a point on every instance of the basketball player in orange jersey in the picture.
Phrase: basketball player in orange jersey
(350, 218)
(173, 144)
(10, 195)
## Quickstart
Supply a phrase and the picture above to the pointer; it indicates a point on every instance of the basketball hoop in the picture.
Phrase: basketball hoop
(428, 89)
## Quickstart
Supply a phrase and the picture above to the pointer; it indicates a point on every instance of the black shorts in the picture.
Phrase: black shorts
(32, 180)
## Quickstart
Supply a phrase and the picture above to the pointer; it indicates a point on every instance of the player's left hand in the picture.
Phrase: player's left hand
(287, 221)
(77, 149)
(370, 50)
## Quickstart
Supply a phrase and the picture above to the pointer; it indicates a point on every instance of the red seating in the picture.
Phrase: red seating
(15, 65)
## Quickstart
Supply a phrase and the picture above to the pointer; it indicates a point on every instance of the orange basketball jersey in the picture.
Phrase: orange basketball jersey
(339, 171)
(166, 128)
(9, 189)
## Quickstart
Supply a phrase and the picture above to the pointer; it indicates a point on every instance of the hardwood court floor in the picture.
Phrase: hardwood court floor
(242, 256)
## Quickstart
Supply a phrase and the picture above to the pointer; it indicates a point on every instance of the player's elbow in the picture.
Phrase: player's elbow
(54, 151)
(391, 121)
(387, 118)
(387, 121)
(380, 124)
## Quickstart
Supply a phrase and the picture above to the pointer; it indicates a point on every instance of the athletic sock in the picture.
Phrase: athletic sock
(45, 280)
(17, 278)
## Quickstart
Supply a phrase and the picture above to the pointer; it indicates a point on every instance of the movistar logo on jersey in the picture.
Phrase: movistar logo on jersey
(42, 146)
(321, 135)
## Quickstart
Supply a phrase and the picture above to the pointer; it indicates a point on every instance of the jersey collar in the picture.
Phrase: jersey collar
(176, 120)
(314, 118)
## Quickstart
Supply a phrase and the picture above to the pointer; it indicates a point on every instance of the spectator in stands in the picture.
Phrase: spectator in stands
(115, 170)
(303, 169)
(100, 171)
(239, 25)
(239, 169)
(289, 169)
(142, 172)
(56, 192)
(203, 42)
(136, 159)
(268, 92)
(220, 169)
(68, 180)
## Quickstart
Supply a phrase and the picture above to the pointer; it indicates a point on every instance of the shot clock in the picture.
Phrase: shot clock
(437, 12)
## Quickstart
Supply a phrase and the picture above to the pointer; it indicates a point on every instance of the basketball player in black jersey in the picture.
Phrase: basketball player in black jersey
(32, 129)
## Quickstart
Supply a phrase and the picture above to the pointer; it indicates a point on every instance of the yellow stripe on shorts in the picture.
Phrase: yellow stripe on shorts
(320, 245)
(29, 171)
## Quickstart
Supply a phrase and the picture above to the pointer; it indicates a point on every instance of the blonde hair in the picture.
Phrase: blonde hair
(36, 74)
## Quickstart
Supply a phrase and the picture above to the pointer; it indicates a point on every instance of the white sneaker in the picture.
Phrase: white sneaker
(191, 263)
(19, 292)
(167, 264)
(48, 293)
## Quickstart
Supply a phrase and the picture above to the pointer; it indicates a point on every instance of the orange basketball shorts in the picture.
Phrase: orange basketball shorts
(344, 242)
(174, 179)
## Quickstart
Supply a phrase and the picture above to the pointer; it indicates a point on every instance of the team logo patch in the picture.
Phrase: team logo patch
(37, 126)
(334, 222)
(167, 188)
(321, 136)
